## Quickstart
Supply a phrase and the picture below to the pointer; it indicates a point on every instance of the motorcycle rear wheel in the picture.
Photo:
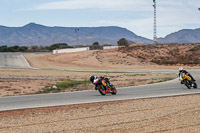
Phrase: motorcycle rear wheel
(195, 85)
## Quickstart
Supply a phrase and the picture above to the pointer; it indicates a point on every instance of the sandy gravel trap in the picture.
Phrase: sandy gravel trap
(158, 115)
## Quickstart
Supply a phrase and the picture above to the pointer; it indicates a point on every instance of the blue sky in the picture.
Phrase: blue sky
(135, 15)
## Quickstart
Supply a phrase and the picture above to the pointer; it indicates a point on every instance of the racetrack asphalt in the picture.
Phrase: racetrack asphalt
(169, 88)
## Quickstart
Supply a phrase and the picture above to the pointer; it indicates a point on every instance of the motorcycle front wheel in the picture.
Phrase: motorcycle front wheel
(187, 84)
(114, 90)
(101, 90)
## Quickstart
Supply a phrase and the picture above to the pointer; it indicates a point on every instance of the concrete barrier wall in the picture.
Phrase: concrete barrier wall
(111, 47)
(69, 50)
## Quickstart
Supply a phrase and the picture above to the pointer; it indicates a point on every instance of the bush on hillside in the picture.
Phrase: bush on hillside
(59, 46)
(123, 42)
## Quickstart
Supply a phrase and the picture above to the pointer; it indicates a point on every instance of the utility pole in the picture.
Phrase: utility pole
(154, 29)
(39, 40)
(76, 31)
(199, 9)
(90, 34)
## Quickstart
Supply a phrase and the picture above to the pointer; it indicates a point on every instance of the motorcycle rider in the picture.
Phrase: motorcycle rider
(95, 79)
(181, 70)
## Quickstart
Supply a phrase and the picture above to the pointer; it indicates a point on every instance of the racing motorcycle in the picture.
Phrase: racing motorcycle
(187, 81)
(104, 86)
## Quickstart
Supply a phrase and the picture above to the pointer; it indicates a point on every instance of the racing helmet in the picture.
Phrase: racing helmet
(180, 69)
(92, 78)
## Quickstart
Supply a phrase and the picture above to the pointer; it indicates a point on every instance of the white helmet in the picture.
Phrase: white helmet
(180, 69)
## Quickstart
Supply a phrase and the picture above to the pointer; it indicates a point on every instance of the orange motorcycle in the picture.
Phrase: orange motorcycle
(103, 86)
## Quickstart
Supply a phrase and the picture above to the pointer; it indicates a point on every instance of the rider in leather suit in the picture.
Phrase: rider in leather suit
(181, 70)
(95, 80)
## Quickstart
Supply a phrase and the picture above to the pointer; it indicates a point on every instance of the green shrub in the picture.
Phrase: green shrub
(62, 86)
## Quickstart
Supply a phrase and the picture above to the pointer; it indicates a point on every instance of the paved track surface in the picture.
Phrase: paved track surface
(169, 88)
(17, 60)
(13, 60)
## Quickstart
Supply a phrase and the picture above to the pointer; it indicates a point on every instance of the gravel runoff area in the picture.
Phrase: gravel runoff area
(178, 114)
(15, 82)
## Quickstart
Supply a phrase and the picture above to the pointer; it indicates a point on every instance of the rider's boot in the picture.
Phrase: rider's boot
(182, 82)
(107, 89)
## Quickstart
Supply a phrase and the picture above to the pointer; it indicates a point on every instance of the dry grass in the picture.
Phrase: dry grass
(136, 45)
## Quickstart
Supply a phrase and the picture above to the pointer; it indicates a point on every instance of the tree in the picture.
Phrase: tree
(23, 49)
(13, 48)
(34, 48)
(95, 44)
(4, 48)
(59, 46)
(123, 42)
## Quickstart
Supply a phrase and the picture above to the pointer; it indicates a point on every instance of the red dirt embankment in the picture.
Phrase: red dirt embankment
(185, 54)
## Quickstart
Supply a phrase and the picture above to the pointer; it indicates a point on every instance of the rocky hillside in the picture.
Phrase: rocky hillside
(187, 54)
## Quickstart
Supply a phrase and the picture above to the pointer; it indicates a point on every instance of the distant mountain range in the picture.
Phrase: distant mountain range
(182, 36)
(36, 34)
